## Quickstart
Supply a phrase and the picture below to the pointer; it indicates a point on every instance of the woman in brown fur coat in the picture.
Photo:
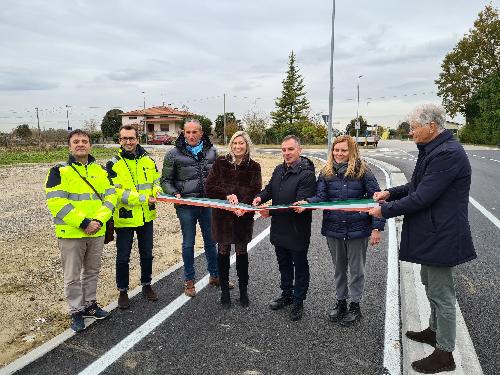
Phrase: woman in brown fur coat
(236, 178)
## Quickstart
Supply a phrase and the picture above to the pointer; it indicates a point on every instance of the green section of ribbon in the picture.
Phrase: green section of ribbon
(275, 207)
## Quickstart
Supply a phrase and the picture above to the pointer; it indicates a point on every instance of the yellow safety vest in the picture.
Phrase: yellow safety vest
(135, 180)
(73, 203)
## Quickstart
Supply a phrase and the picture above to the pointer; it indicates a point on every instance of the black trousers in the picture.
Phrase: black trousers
(293, 266)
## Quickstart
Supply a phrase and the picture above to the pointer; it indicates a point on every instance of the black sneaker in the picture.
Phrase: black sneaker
(339, 310)
(281, 302)
(94, 311)
(77, 322)
(352, 316)
(296, 312)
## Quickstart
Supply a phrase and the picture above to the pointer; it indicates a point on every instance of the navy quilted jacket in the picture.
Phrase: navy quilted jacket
(347, 224)
(435, 206)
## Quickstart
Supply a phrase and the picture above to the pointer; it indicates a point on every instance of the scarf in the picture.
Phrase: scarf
(340, 168)
(195, 150)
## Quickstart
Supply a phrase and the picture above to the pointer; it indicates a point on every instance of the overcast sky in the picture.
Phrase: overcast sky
(96, 55)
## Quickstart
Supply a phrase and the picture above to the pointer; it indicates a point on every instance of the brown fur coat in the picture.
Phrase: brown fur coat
(245, 181)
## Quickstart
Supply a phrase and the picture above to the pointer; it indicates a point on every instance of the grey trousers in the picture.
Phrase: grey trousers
(349, 255)
(81, 261)
(440, 290)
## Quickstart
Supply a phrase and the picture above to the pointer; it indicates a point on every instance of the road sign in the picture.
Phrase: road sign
(357, 125)
(325, 118)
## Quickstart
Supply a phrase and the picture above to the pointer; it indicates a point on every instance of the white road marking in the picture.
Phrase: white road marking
(392, 342)
(146, 328)
(485, 212)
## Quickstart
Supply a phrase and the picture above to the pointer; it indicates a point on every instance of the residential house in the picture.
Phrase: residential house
(160, 120)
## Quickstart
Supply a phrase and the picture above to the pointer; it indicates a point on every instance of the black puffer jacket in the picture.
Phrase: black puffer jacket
(183, 173)
(288, 185)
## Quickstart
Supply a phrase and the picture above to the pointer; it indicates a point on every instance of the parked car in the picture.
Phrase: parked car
(161, 139)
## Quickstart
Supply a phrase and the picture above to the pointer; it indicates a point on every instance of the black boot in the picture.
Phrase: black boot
(338, 311)
(353, 315)
(242, 271)
(223, 263)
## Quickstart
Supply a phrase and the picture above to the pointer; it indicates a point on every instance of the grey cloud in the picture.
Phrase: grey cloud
(11, 80)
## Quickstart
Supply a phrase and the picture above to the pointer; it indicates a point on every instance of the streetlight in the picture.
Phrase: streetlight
(330, 112)
(67, 116)
(358, 124)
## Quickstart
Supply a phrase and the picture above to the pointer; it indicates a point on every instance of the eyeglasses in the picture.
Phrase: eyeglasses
(129, 139)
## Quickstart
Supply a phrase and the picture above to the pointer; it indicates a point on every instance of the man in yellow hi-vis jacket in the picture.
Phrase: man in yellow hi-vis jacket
(137, 182)
(80, 214)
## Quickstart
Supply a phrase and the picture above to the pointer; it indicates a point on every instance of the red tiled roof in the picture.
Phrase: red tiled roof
(164, 119)
(154, 111)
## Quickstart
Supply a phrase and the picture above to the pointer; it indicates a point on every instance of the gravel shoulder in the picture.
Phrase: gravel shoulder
(32, 304)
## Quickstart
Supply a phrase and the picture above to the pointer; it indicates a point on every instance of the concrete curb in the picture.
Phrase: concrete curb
(415, 309)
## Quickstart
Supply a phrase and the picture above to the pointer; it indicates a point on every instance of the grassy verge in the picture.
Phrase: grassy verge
(19, 156)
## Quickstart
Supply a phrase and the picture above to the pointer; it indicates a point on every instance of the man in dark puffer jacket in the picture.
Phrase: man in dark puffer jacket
(185, 169)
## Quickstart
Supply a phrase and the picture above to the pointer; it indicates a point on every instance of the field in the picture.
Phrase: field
(32, 304)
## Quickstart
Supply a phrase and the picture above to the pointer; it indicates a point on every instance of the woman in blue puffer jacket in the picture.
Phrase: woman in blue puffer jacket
(346, 176)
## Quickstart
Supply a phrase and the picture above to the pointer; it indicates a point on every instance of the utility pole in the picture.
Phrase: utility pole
(358, 123)
(39, 131)
(330, 102)
(225, 140)
(67, 116)
(144, 115)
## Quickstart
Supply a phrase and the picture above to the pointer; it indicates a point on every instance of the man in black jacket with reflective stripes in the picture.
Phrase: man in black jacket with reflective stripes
(292, 181)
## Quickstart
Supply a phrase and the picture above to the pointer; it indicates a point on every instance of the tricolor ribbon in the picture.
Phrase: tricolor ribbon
(347, 205)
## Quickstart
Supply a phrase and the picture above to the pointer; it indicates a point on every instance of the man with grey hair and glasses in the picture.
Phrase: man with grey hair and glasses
(436, 232)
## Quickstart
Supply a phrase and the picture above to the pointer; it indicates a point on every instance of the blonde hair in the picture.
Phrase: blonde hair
(356, 167)
(248, 141)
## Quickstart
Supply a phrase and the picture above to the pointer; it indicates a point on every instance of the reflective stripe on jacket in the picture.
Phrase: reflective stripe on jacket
(135, 178)
(73, 203)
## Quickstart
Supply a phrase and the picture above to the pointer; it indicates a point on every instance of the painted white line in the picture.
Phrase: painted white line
(146, 328)
(485, 212)
(392, 334)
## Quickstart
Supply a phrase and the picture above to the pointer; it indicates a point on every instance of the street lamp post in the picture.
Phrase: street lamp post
(330, 102)
(358, 123)
(144, 115)
(224, 137)
(67, 116)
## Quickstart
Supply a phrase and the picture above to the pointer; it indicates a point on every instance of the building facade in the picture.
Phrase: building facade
(157, 120)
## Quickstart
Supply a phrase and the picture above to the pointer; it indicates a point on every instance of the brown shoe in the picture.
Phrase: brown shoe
(438, 361)
(427, 336)
(189, 289)
(149, 293)
(214, 281)
(123, 301)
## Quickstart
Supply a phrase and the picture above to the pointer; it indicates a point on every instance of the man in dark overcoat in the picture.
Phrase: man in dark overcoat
(292, 181)
(436, 232)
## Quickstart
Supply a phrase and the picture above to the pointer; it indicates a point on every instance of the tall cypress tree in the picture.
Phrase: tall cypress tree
(293, 105)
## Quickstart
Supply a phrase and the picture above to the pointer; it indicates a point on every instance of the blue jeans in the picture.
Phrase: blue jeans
(188, 216)
(124, 240)
(293, 265)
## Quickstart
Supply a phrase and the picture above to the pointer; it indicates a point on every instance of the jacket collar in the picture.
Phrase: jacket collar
(139, 153)
(72, 160)
(441, 138)
(181, 144)
(302, 163)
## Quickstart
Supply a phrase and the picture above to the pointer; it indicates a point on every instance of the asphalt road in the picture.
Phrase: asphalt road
(477, 282)
(202, 338)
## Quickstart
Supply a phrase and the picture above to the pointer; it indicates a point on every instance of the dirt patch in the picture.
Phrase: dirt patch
(32, 304)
